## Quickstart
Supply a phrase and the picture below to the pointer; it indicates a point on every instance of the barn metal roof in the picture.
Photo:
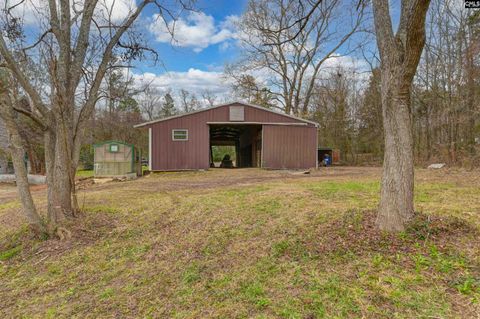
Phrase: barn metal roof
(222, 105)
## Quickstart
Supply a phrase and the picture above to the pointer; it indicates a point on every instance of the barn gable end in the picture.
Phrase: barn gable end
(252, 113)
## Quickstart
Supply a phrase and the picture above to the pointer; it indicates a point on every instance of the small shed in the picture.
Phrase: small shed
(115, 158)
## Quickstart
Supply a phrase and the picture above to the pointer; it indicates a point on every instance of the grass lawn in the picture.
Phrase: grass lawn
(84, 173)
(249, 244)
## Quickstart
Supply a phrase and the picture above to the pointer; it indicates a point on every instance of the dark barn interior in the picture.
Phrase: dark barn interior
(322, 151)
(247, 140)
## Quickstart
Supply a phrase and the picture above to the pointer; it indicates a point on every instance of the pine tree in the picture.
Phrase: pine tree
(168, 107)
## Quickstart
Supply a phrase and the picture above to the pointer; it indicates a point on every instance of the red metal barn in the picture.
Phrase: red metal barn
(262, 138)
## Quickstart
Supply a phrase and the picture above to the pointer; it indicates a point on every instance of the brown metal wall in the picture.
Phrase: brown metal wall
(289, 147)
(178, 155)
(194, 153)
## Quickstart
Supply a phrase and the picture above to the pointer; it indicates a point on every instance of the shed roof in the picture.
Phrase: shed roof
(112, 142)
(222, 105)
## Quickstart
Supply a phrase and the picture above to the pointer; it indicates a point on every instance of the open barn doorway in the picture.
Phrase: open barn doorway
(235, 145)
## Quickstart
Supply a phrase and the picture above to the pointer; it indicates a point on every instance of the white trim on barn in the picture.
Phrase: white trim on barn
(256, 123)
(261, 153)
(149, 148)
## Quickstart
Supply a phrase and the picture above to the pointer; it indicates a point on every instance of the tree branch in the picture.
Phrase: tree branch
(22, 78)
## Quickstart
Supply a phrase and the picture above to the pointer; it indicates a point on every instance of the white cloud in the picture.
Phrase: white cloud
(213, 80)
(119, 9)
(197, 30)
(194, 80)
(346, 62)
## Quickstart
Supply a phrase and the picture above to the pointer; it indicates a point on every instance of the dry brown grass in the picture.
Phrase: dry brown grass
(249, 244)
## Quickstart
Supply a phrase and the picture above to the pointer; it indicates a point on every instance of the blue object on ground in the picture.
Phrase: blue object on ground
(327, 160)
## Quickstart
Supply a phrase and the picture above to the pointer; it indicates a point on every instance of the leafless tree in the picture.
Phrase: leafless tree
(9, 100)
(289, 42)
(446, 91)
(334, 108)
(188, 101)
(150, 102)
(209, 97)
(76, 44)
(400, 53)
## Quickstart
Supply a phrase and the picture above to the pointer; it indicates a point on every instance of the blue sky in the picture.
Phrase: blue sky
(182, 58)
(205, 39)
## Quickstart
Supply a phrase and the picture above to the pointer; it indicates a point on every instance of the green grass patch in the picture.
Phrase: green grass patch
(101, 209)
(10, 253)
(85, 173)
(191, 274)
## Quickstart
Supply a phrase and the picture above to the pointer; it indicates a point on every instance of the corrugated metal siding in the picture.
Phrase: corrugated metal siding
(194, 153)
(178, 155)
(289, 147)
(257, 115)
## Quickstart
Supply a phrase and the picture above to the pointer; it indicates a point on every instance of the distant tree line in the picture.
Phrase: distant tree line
(345, 99)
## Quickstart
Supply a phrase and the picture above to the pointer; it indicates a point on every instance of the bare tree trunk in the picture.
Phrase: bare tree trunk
(428, 132)
(63, 188)
(396, 201)
(49, 141)
(470, 103)
(16, 149)
(64, 116)
(399, 53)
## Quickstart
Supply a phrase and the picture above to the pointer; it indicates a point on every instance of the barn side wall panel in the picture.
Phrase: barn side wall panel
(194, 153)
(292, 147)
(180, 155)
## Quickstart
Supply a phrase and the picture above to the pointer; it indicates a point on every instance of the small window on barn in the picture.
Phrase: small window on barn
(237, 113)
(113, 148)
(180, 135)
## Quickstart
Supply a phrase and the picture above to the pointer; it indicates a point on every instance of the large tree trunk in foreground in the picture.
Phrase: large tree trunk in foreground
(58, 180)
(399, 54)
(396, 201)
(49, 142)
(63, 189)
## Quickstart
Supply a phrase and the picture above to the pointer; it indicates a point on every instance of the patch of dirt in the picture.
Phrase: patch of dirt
(8, 191)
(218, 178)
(357, 232)
(85, 230)
(84, 182)
(458, 176)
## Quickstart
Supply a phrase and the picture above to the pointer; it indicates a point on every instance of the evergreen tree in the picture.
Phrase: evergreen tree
(168, 107)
